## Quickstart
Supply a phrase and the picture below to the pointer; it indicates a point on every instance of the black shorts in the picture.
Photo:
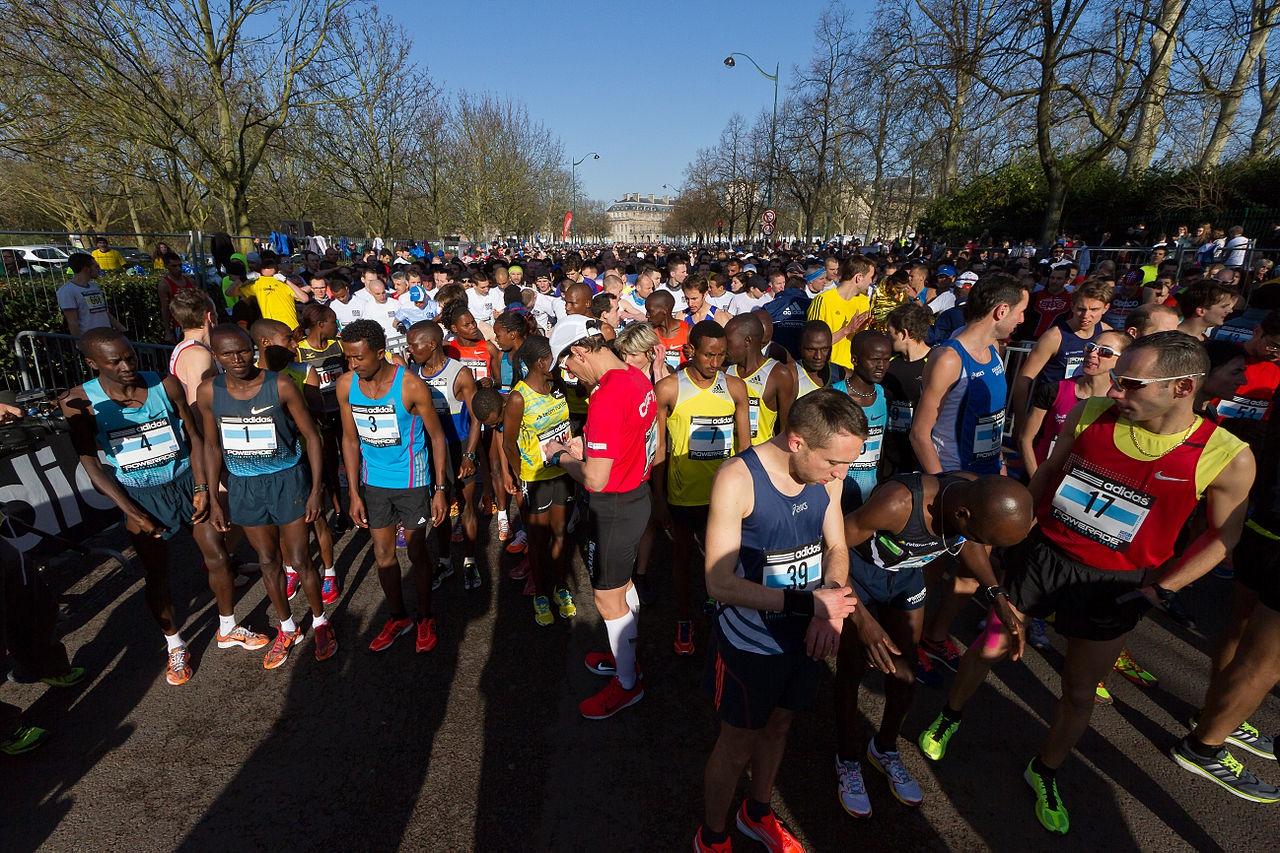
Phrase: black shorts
(1041, 580)
(541, 495)
(1256, 560)
(899, 590)
(409, 508)
(693, 518)
(269, 499)
(616, 522)
(746, 687)
(168, 503)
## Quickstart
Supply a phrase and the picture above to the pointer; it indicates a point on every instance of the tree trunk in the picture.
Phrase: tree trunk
(1260, 142)
(1151, 116)
(1055, 200)
(1262, 21)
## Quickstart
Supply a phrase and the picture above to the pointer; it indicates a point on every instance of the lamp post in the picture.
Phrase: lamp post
(573, 179)
(773, 123)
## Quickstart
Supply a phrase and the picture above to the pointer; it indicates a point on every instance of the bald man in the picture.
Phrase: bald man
(771, 391)
(908, 522)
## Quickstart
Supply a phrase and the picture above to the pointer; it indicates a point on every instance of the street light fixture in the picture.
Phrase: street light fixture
(773, 123)
(573, 176)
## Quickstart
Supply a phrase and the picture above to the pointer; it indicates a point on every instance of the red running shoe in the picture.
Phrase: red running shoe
(769, 831)
(291, 584)
(326, 644)
(390, 631)
(700, 846)
(601, 663)
(684, 638)
(330, 589)
(427, 638)
(611, 699)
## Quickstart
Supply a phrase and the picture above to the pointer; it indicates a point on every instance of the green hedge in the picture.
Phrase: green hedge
(1009, 202)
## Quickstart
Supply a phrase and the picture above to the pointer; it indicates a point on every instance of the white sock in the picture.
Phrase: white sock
(468, 561)
(633, 599)
(330, 572)
(502, 515)
(290, 570)
(288, 625)
(174, 641)
(226, 624)
(317, 621)
(622, 642)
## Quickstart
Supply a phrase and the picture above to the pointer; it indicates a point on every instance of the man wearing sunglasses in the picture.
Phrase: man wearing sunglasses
(1127, 470)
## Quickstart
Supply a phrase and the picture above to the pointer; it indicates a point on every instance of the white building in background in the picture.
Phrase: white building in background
(637, 218)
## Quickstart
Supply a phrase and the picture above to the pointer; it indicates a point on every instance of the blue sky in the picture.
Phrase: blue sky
(641, 83)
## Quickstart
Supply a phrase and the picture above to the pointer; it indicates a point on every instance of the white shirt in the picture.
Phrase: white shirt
(547, 310)
(347, 312)
(744, 302)
(721, 301)
(89, 303)
(942, 302)
(384, 314)
(678, 296)
(482, 306)
(1233, 253)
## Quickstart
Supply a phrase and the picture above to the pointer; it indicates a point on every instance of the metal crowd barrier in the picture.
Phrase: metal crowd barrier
(51, 360)
(1014, 355)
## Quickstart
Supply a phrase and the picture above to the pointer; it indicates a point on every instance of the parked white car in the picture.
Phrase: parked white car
(40, 259)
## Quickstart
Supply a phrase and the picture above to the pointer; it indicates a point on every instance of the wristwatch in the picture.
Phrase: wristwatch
(437, 489)
(993, 591)
(469, 455)
(555, 458)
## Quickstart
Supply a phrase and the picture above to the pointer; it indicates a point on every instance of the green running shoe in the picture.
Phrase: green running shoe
(23, 739)
(1049, 808)
(933, 740)
(67, 679)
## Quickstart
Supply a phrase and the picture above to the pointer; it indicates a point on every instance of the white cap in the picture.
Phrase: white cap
(968, 277)
(570, 330)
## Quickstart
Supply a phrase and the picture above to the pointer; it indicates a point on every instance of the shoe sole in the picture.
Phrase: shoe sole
(1200, 771)
(851, 813)
(875, 762)
(633, 701)
(751, 833)
(393, 640)
(231, 644)
(1252, 750)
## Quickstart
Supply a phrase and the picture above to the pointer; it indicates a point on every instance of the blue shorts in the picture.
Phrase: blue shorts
(269, 499)
(900, 590)
(168, 503)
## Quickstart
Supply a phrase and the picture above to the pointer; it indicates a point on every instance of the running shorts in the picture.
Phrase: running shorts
(269, 499)
(899, 590)
(1256, 560)
(693, 518)
(541, 495)
(746, 687)
(616, 522)
(410, 508)
(168, 503)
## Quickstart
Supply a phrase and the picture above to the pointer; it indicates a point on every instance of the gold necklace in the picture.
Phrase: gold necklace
(1133, 436)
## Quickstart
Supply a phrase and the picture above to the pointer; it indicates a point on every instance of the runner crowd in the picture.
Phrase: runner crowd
(830, 440)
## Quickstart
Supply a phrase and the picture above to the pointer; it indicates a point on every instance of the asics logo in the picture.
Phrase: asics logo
(1160, 475)
(256, 411)
(799, 508)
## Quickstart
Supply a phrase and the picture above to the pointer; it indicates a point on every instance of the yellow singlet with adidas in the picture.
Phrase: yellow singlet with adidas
(699, 439)
(764, 420)
(546, 419)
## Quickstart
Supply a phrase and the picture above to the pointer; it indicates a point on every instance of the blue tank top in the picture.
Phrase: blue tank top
(258, 436)
(1067, 362)
(781, 548)
(862, 473)
(507, 377)
(970, 425)
(455, 420)
(393, 445)
(145, 445)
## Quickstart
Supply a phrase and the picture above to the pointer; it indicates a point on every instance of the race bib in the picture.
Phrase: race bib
(143, 445)
(988, 434)
(1099, 508)
(377, 425)
(248, 436)
(673, 357)
(559, 432)
(711, 437)
(328, 374)
(753, 413)
(97, 302)
(1075, 364)
(900, 415)
(795, 568)
(650, 447)
(869, 459)
(1243, 407)
(479, 367)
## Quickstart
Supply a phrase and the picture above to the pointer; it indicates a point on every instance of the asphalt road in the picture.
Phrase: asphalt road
(479, 744)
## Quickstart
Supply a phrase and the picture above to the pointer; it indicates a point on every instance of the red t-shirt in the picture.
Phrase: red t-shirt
(622, 426)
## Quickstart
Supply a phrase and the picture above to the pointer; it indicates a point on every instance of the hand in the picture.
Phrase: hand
(313, 506)
(575, 448)
(1134, 604)
(357, 512)
(467, 468)
(512, 484)
(551, 448)
(487, 382)
(834, 603)
(148, 526)
(880, 649)
(660, 352)
(439, 509)
(662, 515)
(1012, 621)
(858, 322)
(218, 515)
(199, 507)
(9, 414)
(822, 639)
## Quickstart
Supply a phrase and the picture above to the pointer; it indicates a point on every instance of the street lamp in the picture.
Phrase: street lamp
(773, 123)
(573, 177)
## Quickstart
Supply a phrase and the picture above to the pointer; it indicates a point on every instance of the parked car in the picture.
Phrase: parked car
(133, 255)
(40, 259)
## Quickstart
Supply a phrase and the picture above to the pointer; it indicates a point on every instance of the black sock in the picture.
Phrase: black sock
(757, 810)
(1043, 769)
(1201, 749)
(710, 838)
(951, 714)
(404, 614)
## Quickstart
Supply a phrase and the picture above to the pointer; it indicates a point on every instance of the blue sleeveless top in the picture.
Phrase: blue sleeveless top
(145, 445)
(970, 426)
(862, 473)
(393, 444)
(258, 436)
(455, 419)
(782, 548)
(1068, 361)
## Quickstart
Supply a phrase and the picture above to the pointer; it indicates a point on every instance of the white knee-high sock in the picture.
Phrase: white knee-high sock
(622, 642)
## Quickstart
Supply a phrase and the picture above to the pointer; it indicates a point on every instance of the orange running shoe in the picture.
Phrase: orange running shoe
(179, 671)
(390, 631)
(769, 831)
(700, 846)
(279, 650)
(326, 644)
(242, 637)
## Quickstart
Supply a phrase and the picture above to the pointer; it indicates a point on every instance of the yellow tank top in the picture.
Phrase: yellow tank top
(699, 439)
(764, 420)
(805, 383)
(546, 419)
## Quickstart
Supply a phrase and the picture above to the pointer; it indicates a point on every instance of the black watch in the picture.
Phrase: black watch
(469, 455)
(993, 591)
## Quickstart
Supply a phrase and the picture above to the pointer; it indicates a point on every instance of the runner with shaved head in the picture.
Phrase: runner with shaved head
(770, 391)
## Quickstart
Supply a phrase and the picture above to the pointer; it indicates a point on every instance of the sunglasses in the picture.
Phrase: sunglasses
(1102, 351)
(1129, 383)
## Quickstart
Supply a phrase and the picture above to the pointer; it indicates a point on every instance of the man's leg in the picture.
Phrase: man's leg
(1087, 663)
(153, 553)
(684, 549)
(734, 748)
(1243, 602)
(1238, 690)
(415, 540)
(851, 665)
(384, 556)
(265, 541)
(295, 545)
(218, 563)
(904, 628)
(766, 757)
